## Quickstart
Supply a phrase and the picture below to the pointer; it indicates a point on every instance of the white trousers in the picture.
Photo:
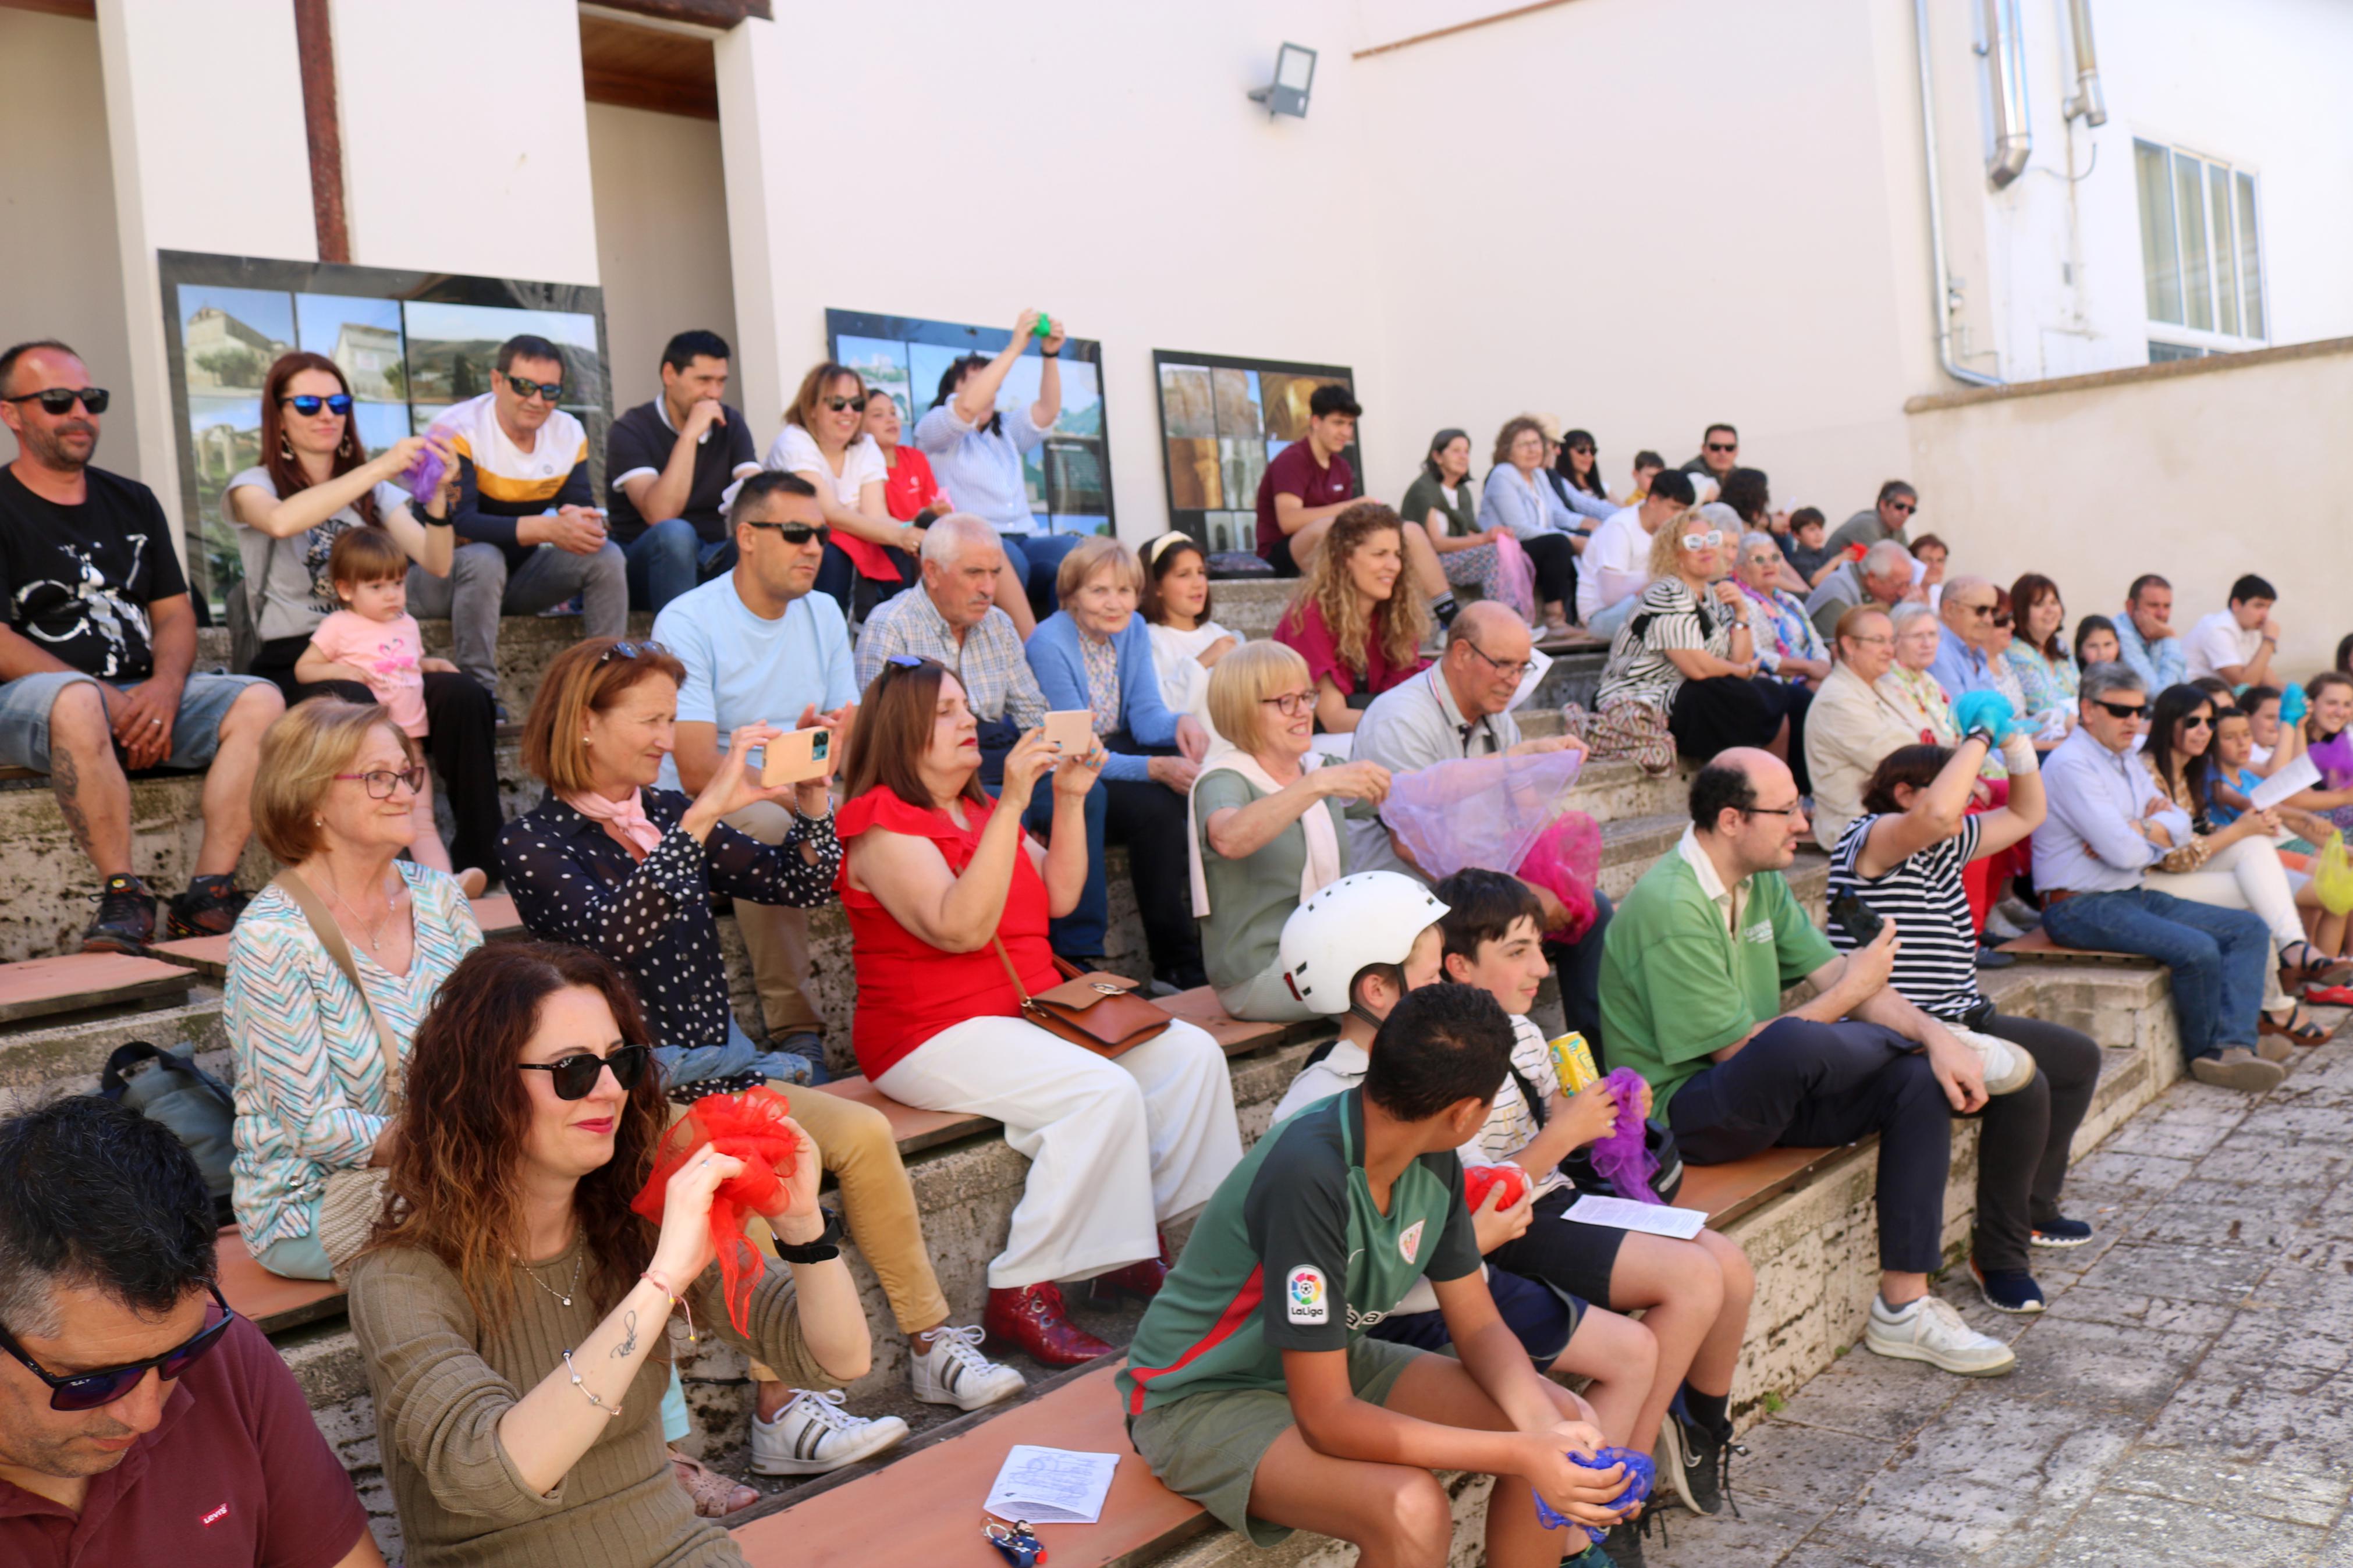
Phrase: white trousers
(2245, 876)
(1115, 1147)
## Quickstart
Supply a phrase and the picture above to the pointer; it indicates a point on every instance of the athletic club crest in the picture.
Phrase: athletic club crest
(1409, 1242)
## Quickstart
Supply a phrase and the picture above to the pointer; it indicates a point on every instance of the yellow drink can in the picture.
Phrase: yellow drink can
(1572, 1059)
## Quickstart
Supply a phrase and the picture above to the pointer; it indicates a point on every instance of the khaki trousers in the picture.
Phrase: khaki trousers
(776, 937)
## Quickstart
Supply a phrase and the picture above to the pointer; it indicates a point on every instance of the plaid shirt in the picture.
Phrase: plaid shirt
(997, 679)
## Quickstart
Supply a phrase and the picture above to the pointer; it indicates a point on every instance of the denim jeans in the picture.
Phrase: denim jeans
(2217, 956)
(669, 558)
(1038, 557)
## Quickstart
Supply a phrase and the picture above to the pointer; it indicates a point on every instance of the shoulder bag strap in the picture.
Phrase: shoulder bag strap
(1006, 958)
(330, 937)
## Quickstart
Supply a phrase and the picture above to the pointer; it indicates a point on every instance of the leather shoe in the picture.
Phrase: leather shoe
(1138, 1281)
(1034, 1319)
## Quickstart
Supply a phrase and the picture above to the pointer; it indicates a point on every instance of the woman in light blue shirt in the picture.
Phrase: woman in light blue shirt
(1519, 497)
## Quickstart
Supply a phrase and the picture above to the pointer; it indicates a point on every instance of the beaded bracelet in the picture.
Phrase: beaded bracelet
(662, 1284)
(612, 1412)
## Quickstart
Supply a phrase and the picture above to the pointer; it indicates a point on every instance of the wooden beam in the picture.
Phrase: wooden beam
(720, 14)
(85, 9)
(1475, 22)
(315, 43)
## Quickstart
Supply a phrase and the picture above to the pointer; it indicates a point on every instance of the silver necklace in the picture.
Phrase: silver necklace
(375, 932)
(564, 1295)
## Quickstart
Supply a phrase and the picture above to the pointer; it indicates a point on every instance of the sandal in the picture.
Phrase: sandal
(2298, 1029)
(2315, 966)
(715, 1496)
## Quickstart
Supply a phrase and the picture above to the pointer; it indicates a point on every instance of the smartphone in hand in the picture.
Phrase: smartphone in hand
(1072, 731)
(796, 757)
(1858, 920)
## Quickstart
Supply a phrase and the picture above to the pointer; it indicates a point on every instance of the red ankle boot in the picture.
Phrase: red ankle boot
(1034, 1319)
(1140, 1280)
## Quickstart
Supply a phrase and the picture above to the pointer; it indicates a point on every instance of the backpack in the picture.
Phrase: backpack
(197, 1106)
(244, 607)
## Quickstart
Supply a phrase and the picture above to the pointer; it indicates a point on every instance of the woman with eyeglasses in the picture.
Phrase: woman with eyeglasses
(314, 1093)
(315, 482)
(1440, 501)
(2235, 866)
(513, 1311)
(948, 900)
(1267, 824)
(824, 441)
(1748, 492)
(1518, 498)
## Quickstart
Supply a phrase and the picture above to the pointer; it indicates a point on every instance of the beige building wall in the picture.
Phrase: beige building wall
(661, 239)
(2095, 480)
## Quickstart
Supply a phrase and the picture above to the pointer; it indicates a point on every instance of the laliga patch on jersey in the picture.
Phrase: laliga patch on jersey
(1304, 1295)
(1410, 1242)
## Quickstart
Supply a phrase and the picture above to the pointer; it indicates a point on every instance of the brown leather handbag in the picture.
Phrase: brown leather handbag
(1096, 1009)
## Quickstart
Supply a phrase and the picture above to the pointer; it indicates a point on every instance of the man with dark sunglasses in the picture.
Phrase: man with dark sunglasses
(530, 538)
(97, 654)
(142, 1421)
(1967, 611)
(1885, 518)
(1719, 454)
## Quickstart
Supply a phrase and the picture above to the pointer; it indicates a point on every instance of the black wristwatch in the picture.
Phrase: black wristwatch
(427, 518)
(824, 1250)
(1044, 353)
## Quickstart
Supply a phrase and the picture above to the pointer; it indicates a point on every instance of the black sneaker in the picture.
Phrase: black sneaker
(1696, 1461)
(1625, 1543)
(2061, 1231)
(2006, 1289)
(126, 917)
(209, 908)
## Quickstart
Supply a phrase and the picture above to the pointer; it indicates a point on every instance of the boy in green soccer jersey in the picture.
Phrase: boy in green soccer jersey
(1251, 1388)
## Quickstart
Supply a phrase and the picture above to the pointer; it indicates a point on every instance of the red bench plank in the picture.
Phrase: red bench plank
(911, 1128)
(40, 986)
(1728, 1192)
(271, 1300)
(207, 955)
(932, 1498)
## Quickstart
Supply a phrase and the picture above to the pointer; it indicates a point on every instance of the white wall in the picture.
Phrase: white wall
(661, 239)
(56, 214)
(465, 137)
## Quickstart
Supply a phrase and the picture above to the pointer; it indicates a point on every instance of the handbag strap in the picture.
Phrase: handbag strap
(339, 952)
(1006, 958)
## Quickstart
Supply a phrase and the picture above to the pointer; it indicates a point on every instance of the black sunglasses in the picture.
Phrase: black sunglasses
(632, 650)
(2201, 722)
(308, 404)
(527, 390)
(575, 1075)
(841, 404)
(1723, 446)
(59, 401)
(795, 532)
(1905, 506)
(2123, 709)
(89, 1390)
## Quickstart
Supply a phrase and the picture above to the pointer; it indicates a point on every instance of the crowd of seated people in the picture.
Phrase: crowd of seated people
(454, 1131)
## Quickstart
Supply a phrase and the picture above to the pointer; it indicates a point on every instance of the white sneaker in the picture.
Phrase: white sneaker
(1930, 1331)
(954, 1372)
(2007, 1069)
(813, 1434)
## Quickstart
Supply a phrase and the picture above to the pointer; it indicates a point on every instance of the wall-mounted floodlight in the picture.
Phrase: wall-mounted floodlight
(1294, 73)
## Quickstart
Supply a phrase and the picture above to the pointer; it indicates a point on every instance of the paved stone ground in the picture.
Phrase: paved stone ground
(2187, 1399)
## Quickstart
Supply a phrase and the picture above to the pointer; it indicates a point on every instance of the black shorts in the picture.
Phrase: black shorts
(1567, 1255)
(1542, 1318)
(1278, 555)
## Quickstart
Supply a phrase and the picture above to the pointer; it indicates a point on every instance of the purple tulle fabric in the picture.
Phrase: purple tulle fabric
(1503, 813)
(1623, 1157)
(424, 476)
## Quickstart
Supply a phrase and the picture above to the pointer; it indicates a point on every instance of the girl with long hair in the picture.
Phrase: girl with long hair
(514, 1310)
(1359, 634)
(824, 440)
(1186, 643)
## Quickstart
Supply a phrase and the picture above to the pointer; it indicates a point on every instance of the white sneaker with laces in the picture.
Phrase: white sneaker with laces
(954, 1372)
(813, 1434)
(1930, 1331)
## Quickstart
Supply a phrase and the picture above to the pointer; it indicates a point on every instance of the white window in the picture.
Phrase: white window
(2201, 257)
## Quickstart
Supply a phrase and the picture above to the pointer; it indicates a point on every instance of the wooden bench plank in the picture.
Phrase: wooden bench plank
(912, 1129)
(271, 1300)
(1234, 1035)
(74, 981)
(932, 1498)
(495, 913)
(2037, 943)
(1729, 1192)
(207, 955)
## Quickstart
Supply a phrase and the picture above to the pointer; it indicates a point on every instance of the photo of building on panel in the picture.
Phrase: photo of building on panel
(1222, 420)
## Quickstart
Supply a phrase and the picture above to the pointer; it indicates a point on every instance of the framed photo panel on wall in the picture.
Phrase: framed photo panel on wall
(1222, 420)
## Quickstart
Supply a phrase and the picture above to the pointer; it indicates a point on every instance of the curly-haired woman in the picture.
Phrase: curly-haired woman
(1358, 633)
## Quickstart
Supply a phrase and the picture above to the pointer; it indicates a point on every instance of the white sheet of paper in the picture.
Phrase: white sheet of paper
(1652, 1219)
(1051, 1486)
(2293, 779)
(1338, 747)
(1538, 662)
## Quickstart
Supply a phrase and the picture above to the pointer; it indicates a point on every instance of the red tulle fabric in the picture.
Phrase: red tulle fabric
(750, 1127)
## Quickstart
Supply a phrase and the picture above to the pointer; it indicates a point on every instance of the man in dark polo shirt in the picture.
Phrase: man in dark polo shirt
(140, 1422)
(669, 463)
(1309, 483)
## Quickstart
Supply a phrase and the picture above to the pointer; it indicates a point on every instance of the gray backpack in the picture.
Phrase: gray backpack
(197, 1106)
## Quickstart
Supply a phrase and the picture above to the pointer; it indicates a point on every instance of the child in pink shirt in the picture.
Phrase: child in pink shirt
(376, 641)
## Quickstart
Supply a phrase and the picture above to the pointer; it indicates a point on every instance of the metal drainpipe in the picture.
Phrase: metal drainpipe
(2005, 52)
(2088, 100)
(1943, 278)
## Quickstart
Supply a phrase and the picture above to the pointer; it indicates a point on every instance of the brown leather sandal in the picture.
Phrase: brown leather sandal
(2299, 1029)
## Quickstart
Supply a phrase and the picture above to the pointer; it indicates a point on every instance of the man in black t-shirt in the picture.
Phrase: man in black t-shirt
(672, 462)
(96, 655)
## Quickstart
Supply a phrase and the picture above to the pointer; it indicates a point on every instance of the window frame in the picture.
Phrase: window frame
(2228, 235)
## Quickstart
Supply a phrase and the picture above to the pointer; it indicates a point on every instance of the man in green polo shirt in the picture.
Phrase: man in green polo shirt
(1250, 1385)
(1692, 975)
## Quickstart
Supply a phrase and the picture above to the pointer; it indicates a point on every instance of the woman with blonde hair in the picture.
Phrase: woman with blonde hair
(1358, 635)
(823, 440)
(330, 970)
(1266, 830)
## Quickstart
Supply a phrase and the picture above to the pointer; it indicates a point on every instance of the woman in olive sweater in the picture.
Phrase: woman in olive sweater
(513, 1313)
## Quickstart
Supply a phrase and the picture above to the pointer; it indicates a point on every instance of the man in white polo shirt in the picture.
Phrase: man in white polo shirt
(2237, 644)
(1616, 565)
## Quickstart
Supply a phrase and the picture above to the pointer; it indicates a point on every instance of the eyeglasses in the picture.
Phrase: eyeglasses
(2123, 709)
(59, 401)
(380, 782)
(1708, 540)
(844, 404)
(1515, 671)
(1980, 610)
(1873, 642)
(2201, 722)
(1723, 446)
(632, 650)
(308, 404)
(527, 390)
(1790, 810)
(574, 1077)
(795, 532)
(1581, 451)
(1906, 507)
(1291, 704)
(89, 1390)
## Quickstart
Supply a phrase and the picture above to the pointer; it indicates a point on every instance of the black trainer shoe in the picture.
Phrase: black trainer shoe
(209, 908)
(1625, 1543)
(126, 917)
(1696, 1461)
(2061, 1231)
(1593, 1556)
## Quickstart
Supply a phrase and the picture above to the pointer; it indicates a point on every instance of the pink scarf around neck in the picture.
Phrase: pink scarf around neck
(626, 820)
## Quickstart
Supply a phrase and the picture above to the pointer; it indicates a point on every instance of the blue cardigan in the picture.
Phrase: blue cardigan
(1061, 671)
(1529, 514)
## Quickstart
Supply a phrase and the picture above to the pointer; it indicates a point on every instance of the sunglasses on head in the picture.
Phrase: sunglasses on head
(380, 782)
(308, 404)
(59, 401)
(632, 650)
(527, 390)
(795, 532)
(844, 404)
(2123, 709)
(574, 1077)
(89, 1390)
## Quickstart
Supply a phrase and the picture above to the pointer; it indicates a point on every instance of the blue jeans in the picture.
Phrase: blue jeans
(1037, 557)
(26, 703)
(669, 558)
(2217, 956)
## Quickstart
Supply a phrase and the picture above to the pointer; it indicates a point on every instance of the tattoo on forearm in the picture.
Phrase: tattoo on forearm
(628, 1345)
(64, 781)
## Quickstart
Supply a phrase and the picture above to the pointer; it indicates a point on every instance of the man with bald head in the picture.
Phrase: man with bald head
(954, 617)
(1968, 610)
(1691, 978)
(1884, 577)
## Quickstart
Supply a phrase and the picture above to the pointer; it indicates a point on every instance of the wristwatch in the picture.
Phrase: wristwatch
(427, 518)
(824, 1250)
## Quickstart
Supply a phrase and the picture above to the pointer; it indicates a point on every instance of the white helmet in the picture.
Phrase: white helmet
(1370, 917)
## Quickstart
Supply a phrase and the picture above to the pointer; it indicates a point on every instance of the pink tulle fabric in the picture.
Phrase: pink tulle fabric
(1504, 813)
